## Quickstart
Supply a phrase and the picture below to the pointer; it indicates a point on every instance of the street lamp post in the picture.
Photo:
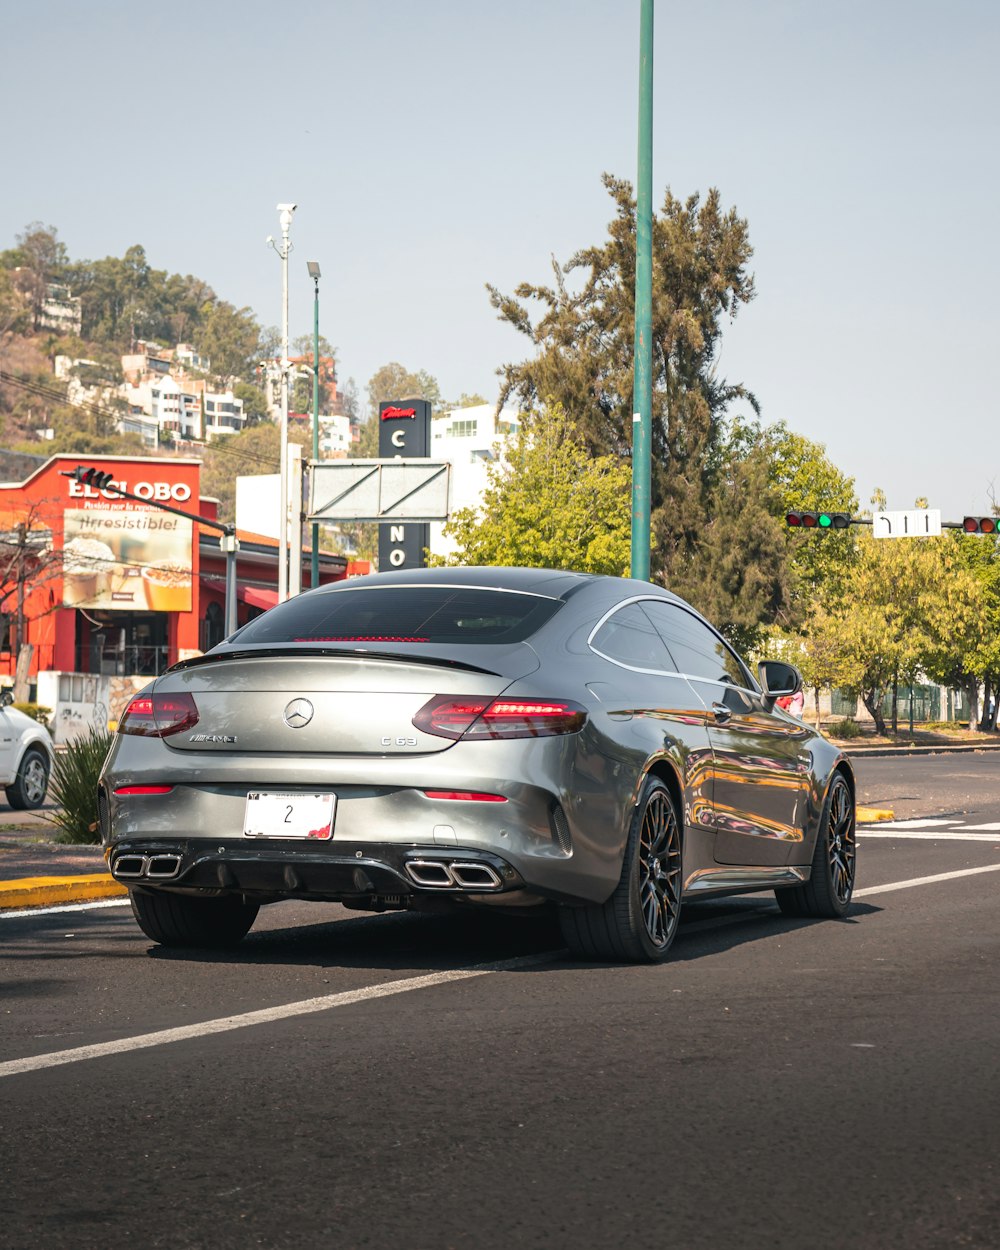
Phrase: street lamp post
(285, 214)
(314, 273)
(642, 389)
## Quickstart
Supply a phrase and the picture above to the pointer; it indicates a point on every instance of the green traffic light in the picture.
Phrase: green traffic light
(825, 520)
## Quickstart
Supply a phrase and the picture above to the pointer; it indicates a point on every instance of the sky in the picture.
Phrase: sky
(432, 148)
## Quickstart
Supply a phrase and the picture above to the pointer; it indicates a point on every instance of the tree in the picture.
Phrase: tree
(735, 569)
(907, 606)
(804, 477)
(43, 258)
(392, 381)
(548, 504)
(966, 653)
(230, 337)
(583, 340)
(255, 407)
(15, 312)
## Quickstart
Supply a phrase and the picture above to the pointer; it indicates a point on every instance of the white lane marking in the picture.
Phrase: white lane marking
(22, 913)
(266, 1015)
(994, 824)
(939, 835)
(911, 824)
(309, 1006)
(941, 876)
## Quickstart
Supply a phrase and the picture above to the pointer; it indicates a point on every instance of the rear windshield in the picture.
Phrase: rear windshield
(408, 614)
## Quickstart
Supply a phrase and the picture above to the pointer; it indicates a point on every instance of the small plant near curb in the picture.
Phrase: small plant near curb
(73, 787)
(846, 729)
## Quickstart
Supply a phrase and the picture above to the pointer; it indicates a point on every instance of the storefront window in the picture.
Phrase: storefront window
(134, 646)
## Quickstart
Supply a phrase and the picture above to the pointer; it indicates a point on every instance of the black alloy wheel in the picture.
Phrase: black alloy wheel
(639, 920)
(660, 869)
(830, 887)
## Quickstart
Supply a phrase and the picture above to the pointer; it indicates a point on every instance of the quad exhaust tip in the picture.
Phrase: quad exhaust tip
(442, 874)
(159, 867)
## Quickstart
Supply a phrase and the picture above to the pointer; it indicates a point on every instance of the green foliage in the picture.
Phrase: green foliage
(255, 407)
(907, 607)
(803, 477)
(733, 567)
(714, 514)
(36, 712)
(846, 730)
(549, 504)
(392, 381)
(230, 337)
(583, 339)
(73, 787)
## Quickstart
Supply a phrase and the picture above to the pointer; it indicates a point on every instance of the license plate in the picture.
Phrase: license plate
(270, 815)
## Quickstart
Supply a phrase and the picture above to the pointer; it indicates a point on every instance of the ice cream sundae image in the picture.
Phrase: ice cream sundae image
(88, 565)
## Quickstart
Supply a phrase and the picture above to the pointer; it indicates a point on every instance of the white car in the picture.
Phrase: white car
(26, 756)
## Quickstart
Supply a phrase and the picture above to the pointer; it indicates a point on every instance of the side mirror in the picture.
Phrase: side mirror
(6, 697)
(778, 679)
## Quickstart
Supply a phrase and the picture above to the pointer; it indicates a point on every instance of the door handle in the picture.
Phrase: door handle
(721, 712)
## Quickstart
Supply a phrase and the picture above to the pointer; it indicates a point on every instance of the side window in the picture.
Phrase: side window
(629, 638)
(696, 649)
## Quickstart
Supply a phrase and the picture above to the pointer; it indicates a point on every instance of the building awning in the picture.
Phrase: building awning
(258, 596)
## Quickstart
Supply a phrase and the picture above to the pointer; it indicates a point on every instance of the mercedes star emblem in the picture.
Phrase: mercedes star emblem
(298, 713)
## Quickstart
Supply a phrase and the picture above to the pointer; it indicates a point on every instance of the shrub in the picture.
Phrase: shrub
(845, 729)
(74, 786)
(36, 712)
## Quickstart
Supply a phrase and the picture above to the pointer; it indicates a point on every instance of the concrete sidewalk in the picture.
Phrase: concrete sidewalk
(37, 871)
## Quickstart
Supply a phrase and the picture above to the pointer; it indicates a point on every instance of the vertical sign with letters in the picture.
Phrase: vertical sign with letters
(404, 430)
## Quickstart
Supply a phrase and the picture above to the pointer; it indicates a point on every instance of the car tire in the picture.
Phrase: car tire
(638, 922)
(28, 789)
(180, 920)
(827, 894)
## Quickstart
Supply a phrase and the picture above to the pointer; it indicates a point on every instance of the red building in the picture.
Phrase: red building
(102, 585)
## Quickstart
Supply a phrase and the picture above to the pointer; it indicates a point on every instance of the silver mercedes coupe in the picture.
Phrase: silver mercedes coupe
(474, 737)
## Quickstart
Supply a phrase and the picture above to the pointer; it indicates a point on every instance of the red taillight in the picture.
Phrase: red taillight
(143, 790)
(467, 796)
(159, 715)
(448, 717)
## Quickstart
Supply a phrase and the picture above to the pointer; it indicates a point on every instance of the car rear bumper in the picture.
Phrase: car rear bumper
(383, 875)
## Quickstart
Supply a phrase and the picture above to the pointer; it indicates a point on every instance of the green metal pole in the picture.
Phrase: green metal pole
(314, 572)
(642, 389)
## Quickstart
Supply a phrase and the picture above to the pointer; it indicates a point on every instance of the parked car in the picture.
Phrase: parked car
(475, 737)
(26, 756)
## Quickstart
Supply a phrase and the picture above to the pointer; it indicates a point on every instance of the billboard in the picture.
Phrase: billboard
(126, 559)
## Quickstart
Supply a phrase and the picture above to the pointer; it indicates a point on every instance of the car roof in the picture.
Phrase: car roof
(552, 583)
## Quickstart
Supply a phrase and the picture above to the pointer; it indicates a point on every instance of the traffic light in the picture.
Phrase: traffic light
(818, 520)
(93, 477)
(980, 524)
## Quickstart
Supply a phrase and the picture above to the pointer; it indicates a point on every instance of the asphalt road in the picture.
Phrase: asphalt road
(779, 1083)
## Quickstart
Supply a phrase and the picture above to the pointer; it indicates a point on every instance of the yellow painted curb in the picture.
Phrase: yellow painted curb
(46, 891)
(870, 815)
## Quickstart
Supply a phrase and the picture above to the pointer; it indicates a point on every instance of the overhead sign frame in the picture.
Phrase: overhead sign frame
(400, 489)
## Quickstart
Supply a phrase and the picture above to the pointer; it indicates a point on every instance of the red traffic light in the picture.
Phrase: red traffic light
(980, 524)
(93, 477)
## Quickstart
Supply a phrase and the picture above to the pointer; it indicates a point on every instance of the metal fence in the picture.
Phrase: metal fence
(927, 701)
